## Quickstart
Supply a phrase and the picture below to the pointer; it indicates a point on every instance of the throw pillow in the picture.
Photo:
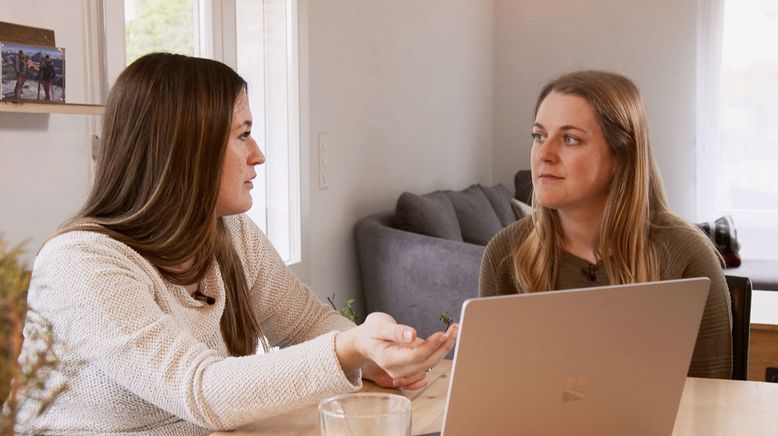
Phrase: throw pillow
(724, 236)
(522, 183)
(520, 208)
(431, 215)
(477, 218)
(500, 199)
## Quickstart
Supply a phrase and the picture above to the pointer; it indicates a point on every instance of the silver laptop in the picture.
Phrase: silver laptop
(596, 361)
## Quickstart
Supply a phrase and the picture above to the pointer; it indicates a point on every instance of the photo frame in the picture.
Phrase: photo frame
(32, 73)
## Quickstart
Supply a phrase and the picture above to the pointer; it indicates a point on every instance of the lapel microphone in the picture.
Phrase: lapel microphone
(590, 271)
(199, 296)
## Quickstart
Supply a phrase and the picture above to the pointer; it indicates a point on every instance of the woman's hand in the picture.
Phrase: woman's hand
(373, 372)
(393, 347)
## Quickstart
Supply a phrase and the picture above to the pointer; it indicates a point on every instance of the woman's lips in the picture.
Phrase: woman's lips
(250, 181)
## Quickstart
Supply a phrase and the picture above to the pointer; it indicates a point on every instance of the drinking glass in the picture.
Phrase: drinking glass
(378, 414)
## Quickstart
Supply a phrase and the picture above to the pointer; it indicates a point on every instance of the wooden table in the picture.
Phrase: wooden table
(708, 407)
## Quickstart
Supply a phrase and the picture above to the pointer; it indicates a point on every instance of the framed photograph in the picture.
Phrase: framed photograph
(32, 73)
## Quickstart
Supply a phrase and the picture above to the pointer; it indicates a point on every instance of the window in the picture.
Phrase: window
(738, 112)
(161, 25)
(259, 40)
(267, 57)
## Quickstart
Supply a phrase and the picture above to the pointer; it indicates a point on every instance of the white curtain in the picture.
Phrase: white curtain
(737, 140)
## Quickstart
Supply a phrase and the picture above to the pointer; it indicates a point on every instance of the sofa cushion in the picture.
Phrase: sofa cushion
(500, 199)
(522, 182)
(724, 236)
(477, 218)
(520, 208)
(431, 214)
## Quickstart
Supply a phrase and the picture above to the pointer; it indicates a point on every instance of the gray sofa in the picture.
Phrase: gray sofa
(416, 277)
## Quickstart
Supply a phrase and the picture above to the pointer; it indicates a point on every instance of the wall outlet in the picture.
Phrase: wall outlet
(324, 174)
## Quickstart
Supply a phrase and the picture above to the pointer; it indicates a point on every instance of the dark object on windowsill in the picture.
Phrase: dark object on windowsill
(724, 236)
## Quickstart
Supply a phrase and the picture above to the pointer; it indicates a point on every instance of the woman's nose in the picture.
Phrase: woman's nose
(256, 157)
(546, 151)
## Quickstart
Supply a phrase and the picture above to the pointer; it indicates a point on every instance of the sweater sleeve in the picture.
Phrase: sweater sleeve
(99, 296)
(712, 355)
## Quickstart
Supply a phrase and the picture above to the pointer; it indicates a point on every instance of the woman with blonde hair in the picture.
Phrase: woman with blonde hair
(599, 213)
(164, 299)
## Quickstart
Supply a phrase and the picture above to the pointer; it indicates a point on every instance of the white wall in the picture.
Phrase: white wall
(45, 160)
(651, 41)
(403, 91)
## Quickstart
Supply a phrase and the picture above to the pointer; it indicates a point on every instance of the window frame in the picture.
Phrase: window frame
(756, 227)
(281, 224)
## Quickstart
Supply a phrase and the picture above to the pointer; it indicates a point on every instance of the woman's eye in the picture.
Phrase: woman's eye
(537, 137)
(244, 136)
(571, 140)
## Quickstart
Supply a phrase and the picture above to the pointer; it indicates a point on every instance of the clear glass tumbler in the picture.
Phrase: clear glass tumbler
(378, 414)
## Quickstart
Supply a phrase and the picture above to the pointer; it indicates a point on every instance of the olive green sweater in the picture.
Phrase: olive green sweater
(684, 253)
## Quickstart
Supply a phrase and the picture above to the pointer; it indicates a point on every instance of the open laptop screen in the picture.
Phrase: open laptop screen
(608, 360)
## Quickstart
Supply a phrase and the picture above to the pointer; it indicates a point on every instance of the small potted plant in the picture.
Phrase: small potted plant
(445, 319)
(14, 378)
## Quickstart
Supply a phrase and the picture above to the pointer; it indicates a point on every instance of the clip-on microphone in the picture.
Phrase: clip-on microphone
(199, 296)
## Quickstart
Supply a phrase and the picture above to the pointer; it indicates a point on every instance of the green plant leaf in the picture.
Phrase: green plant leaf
(445, 319)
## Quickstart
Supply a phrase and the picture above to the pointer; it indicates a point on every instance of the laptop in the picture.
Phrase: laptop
(597, 361)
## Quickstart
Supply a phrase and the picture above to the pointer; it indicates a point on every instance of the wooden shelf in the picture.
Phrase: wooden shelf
(51, 108)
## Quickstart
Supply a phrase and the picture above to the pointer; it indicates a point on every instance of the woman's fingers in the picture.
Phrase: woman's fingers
(394, 355)
(444, 349)
(419, 378)
(418, 385)
(373, 372)
(400, 362)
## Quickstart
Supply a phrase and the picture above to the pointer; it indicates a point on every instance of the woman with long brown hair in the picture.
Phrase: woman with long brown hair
(599, 213)
(164, 299)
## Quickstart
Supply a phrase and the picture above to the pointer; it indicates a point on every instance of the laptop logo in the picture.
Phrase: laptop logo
(576, 388)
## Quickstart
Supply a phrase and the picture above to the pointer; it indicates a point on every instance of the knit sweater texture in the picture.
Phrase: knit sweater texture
(684, 253)
(139, 355)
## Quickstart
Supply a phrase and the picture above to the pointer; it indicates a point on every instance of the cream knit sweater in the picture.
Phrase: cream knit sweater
(141, 356)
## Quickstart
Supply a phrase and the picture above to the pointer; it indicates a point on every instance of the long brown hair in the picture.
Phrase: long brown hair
(635, 199)
(165, 131)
